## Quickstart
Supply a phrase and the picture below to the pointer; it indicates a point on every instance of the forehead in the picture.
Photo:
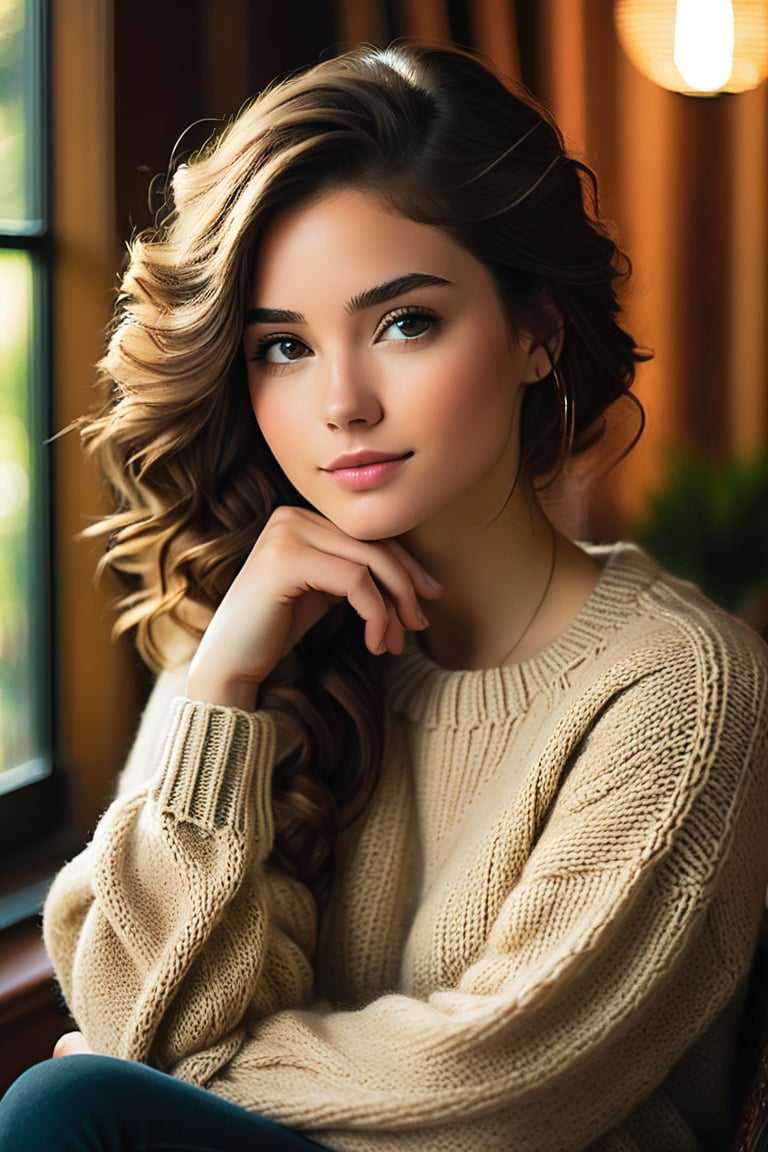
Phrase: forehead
(348, 240)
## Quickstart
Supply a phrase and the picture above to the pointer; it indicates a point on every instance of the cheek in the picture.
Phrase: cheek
(474, 394)
(275, 421)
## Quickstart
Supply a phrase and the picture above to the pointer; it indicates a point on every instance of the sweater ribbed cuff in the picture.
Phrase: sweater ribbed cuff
(216, 768)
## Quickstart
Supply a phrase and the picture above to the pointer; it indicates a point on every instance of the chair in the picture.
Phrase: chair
(752, 1073)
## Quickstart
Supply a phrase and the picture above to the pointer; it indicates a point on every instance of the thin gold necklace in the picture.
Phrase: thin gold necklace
(541, 599)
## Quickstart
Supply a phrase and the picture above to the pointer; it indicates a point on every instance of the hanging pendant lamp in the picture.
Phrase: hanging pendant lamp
(697, 47)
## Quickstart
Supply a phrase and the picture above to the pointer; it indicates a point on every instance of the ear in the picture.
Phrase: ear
(544, 350)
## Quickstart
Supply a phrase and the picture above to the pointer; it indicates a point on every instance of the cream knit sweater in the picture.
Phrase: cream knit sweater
(540, 928)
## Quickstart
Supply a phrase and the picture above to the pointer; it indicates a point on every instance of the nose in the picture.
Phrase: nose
(351, 398)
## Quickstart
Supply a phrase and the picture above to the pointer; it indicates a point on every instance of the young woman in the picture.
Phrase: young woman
(440, 831)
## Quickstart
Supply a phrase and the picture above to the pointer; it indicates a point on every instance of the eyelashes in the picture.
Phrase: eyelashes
(405, 325)
(270, 349)
(424, 320)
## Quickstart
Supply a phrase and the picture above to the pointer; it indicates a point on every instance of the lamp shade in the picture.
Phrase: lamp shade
(697, 47)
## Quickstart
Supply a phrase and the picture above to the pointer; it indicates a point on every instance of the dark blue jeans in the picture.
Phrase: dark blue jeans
(98, 1104)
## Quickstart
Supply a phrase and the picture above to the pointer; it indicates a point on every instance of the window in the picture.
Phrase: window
(26, 777)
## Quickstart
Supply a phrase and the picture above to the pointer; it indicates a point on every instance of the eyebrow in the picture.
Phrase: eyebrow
(379, 294)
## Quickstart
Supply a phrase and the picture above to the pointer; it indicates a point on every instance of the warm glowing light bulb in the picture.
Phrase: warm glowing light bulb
(704, 40)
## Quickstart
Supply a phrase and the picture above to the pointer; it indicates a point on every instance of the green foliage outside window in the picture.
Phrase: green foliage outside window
(21, 392)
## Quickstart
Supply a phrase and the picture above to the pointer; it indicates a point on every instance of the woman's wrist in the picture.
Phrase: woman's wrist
(221, 691)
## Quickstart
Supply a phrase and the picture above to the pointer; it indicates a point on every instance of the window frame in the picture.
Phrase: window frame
(38, 805)
(95, 688)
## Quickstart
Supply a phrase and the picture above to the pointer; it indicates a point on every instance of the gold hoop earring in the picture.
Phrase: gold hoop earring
(568, 418)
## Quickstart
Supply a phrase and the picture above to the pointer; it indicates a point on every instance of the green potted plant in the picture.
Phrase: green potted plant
(709, 523)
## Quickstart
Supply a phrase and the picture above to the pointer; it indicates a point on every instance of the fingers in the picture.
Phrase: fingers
(71, 1044)
(425, 584)
(341, 578)
(400, 577)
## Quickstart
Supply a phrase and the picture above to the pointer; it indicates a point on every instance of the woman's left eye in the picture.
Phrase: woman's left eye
(407, 325)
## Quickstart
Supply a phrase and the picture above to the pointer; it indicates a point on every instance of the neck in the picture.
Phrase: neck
(498, 576)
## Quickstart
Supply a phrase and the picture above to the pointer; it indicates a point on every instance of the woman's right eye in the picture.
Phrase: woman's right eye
(280, 350)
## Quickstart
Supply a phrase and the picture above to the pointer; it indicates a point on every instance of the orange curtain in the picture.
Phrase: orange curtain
(684, 180)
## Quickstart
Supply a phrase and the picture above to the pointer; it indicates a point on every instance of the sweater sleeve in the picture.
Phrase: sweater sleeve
(170, 927)
(625, 931)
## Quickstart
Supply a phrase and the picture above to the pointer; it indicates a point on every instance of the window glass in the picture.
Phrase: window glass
(21, 184)
(20, 719)
(24, 643)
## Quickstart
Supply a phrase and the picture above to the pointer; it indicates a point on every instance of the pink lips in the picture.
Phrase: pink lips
(360, 470)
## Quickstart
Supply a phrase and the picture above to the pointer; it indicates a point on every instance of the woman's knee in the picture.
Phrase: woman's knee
(60, 1103)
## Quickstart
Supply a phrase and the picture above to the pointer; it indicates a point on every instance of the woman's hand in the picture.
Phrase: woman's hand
(71, 1044)
(301, 566)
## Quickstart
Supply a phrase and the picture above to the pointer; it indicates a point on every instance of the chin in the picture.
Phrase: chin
(370, 528)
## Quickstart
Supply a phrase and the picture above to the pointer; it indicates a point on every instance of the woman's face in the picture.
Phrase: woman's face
(382, 371)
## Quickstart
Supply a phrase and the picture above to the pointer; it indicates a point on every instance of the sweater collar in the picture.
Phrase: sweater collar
(424, 691)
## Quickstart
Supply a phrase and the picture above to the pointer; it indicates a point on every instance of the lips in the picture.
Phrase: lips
(364, 471)
(350, 460)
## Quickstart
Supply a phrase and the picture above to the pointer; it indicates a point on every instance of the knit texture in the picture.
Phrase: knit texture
(540, 928)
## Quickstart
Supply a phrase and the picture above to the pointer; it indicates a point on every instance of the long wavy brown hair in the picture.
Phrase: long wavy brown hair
(446, 142)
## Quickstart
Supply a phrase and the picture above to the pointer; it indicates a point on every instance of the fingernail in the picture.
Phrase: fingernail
(422, 617)
(438, 587)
